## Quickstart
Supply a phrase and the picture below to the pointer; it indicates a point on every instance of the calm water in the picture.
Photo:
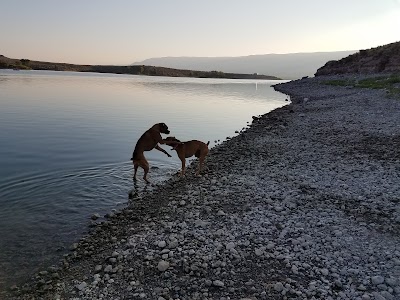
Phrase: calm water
(66, 140)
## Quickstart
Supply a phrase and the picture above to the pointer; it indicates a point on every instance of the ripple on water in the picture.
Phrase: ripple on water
(51, 210)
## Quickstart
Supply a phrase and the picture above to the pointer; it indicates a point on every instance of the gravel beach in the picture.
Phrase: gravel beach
(303, 204)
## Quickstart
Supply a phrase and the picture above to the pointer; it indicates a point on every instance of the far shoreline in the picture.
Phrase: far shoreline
(26, 64)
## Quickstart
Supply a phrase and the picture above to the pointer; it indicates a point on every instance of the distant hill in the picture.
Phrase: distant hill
(286, 66)
(382, 59)
(26, 64)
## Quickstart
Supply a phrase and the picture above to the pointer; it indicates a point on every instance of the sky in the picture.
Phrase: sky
(123, 32)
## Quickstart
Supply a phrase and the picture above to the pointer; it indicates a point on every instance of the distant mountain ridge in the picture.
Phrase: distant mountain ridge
(286, 66)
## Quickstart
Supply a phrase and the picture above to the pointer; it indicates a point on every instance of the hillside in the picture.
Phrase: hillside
(286, 66)
(26, 64)
(383, 59)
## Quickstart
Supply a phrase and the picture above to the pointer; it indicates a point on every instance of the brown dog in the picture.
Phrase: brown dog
(188, 149)
(148, 141)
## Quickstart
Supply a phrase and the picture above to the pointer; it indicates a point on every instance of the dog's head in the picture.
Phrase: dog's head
(163, 128)
(172, 141)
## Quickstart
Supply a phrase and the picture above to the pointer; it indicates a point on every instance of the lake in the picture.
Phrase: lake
(66, 140)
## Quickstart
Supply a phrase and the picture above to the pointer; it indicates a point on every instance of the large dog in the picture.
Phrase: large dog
(188, 149)
(148, 141)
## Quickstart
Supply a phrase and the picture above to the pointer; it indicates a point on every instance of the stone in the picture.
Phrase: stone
(162, 265)
(95, 216)
(81, 286)
(324, 272)
(259, 251)
(162, 244)
(230, 245)
(108, 269)
(278, 286)
(387, 295)
(218, 283)
(377, 280)
(392, 281)
(270, 245)
(98, 268)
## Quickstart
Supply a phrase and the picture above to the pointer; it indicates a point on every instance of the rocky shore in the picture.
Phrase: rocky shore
(303, 204)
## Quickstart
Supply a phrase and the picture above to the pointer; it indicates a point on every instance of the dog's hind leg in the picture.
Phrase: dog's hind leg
(183, 167)
(181, 156)
(135, 166)
(202, 157)
(201, 163)
(145, 166)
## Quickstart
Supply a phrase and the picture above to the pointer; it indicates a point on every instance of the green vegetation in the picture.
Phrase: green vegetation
(25, 61)
(22, 64)
(389, 83)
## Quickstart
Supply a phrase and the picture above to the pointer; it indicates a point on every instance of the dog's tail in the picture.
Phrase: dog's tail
(133, 155)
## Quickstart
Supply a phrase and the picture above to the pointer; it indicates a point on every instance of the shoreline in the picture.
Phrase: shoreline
(304, 203)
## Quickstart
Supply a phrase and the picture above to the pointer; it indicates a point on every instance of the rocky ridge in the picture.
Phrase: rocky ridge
(304, 204)
(383, 59)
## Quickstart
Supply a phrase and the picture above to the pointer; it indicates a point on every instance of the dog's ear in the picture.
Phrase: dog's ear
(174, 143)
(169, 140)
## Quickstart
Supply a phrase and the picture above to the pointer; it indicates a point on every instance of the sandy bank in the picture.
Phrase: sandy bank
(302, 205)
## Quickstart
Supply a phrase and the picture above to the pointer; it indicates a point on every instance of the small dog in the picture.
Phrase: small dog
(188, 149)
(148, 141)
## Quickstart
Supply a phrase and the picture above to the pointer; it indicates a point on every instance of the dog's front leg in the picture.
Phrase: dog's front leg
(162, 150)
(183, 167)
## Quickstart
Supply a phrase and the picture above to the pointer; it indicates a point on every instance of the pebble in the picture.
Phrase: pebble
(218, 283)
(278, 286)
(82, 286)
(270, 245)
(377, 280)
(98, 268)
(230, 245)
(162, 244)
(163, 265)
(95, 216)
(324, 272)
(108, 269)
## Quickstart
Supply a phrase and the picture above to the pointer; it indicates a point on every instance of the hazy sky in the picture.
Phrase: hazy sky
(126, 31)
